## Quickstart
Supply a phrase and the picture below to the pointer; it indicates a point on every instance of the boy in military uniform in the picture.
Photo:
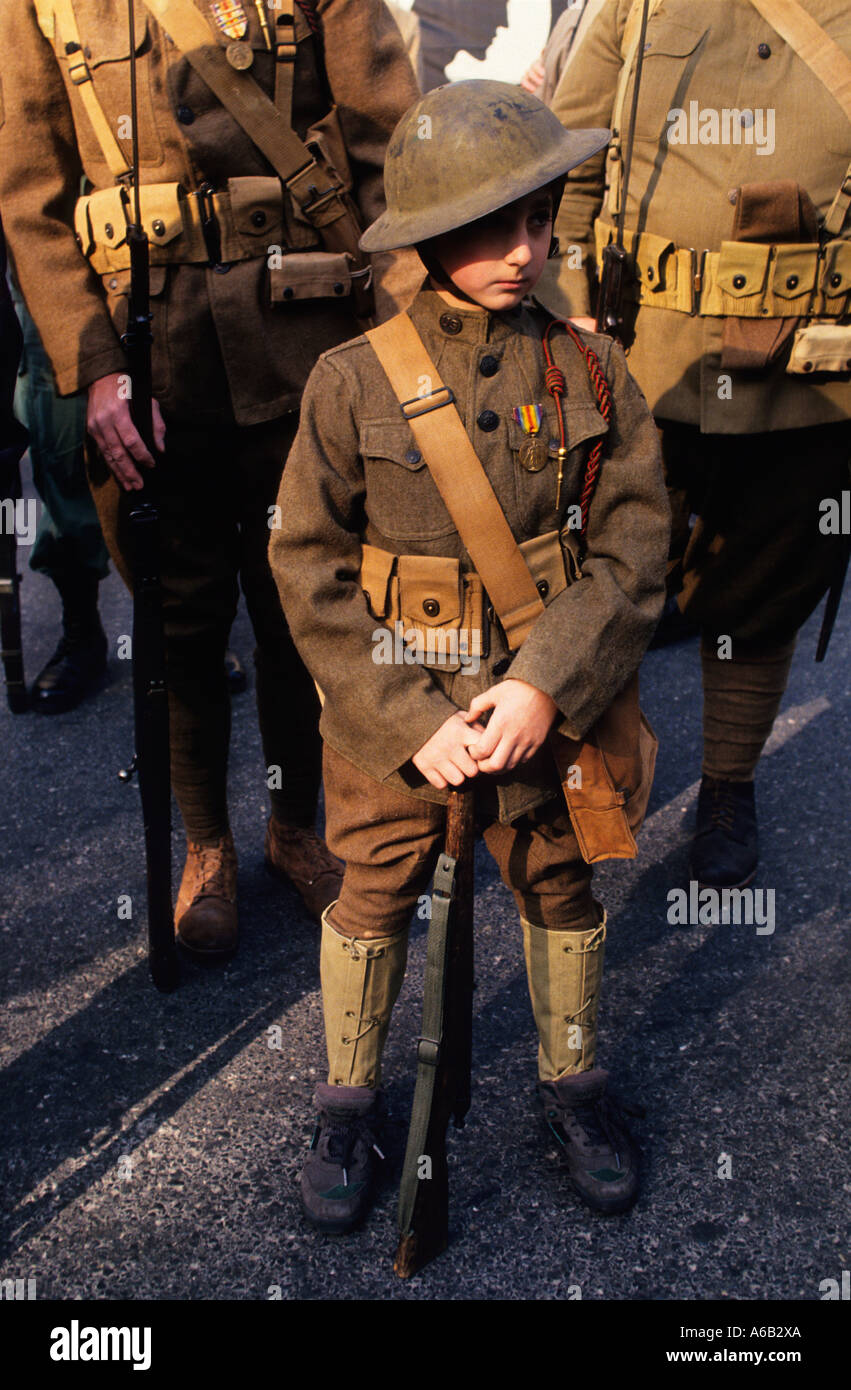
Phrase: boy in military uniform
(473, 176)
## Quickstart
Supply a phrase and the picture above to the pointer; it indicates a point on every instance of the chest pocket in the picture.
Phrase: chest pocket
(536, 490)
(669, 59)
(402, 500)
(105, 38)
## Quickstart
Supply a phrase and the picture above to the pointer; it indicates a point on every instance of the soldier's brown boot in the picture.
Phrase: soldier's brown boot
(206, 919)
(298, 857)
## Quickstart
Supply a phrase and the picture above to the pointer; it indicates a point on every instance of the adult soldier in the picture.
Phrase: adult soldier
(237, 323)
(738, 197)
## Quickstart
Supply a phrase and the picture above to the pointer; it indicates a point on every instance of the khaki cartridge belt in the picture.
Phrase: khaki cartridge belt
(743, 279)
(247, 215)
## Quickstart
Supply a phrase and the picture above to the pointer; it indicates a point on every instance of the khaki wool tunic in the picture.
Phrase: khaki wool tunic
(718, 54)
(222, 350)
(355, 474)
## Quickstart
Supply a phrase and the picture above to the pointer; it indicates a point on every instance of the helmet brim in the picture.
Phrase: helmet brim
(394, 230)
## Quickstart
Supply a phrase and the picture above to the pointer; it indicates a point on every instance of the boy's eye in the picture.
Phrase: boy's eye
(541, 217)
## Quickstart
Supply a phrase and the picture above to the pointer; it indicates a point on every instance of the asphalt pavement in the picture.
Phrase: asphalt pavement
(151, 1144)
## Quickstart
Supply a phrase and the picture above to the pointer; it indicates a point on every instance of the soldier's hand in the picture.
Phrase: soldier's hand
(521, 719)
(533, 79)
(109, 423)
(444, 759)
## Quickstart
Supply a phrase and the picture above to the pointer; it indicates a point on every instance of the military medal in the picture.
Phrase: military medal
(240, 55)
(233, 22)
(533, 450)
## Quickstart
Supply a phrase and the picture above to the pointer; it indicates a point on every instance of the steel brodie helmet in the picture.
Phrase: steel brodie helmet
(465, 150)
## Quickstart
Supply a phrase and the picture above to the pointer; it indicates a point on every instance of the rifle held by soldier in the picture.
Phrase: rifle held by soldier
(150, 696)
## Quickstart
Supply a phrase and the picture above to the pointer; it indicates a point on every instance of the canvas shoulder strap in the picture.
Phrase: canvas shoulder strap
(68, 34)
(237, 91)
(460, 478)
(831, 66)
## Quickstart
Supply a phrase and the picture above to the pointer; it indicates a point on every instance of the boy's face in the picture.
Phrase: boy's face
(499, 259)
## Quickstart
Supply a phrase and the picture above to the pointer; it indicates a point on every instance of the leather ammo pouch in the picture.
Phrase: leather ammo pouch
(607, 776)
(767, 214)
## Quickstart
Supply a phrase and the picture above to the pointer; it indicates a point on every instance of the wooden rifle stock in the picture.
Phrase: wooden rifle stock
(444, 1050)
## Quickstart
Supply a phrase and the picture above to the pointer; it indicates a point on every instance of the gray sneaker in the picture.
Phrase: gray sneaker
(338, 1172)
(589, 1125)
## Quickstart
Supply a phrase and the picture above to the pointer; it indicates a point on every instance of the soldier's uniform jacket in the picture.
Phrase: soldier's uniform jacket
(222, 348)
(355, 475)
(705, 56)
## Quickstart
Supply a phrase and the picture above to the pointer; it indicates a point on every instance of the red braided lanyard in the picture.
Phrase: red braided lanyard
(555, 384)
(308, 9)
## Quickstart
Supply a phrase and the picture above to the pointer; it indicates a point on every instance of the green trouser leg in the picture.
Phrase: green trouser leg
(360, 983)
(565, 971)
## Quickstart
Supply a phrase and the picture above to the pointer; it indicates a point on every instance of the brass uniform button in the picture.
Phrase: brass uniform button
(431, 607)
(489, 366)
(488, 420)
(240, 55)
(763, 50)
(739, 282)
(450, 323)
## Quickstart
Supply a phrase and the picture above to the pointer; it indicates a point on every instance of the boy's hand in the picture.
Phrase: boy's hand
(522, 717)
(444, 759)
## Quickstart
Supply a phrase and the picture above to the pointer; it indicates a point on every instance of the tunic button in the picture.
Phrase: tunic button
(764, 51)
(431, 607)
(109, 230)
(488, 420)
(543, 587)
(258, 218)
(413, 456)
(185, 115)
(450, 324)
(739, 282)
(158, 227)
(500, 667)
(791, 282)
(835, 281)
(489, 366)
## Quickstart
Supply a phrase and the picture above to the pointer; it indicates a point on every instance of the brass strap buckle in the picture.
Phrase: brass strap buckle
(698, 261)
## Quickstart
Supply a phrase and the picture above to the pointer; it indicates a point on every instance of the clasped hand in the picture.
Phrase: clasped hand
(521, 717)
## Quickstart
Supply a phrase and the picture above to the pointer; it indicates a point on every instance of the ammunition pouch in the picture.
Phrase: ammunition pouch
(441, 608)
(820, 347)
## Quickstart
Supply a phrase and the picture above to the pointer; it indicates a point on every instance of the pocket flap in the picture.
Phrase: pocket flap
(650, 258)
(256, 204)
(161, 206)
(742, 268)
(837, 268)
(82, 226)
(312, 275)
(794, 271)
(543, 555)
(390, 439)
(375, 574)
(429, 589)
